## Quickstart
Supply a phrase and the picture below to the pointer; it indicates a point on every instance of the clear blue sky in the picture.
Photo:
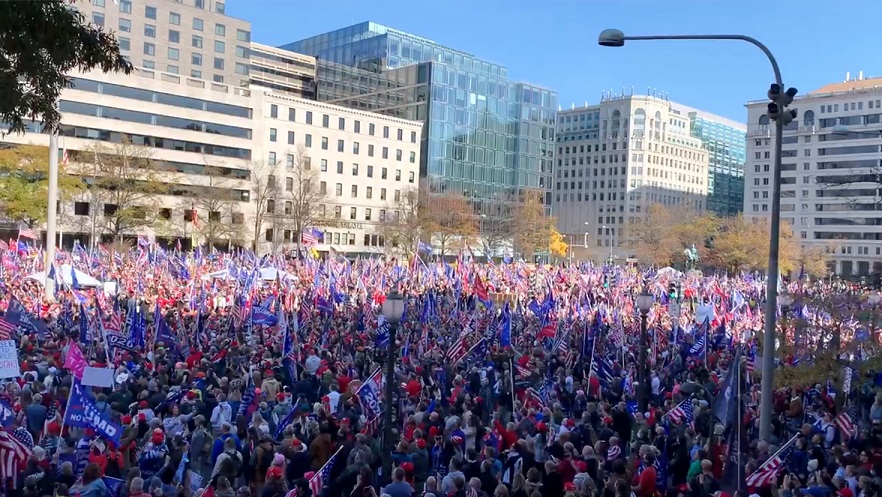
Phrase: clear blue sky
(553, 42)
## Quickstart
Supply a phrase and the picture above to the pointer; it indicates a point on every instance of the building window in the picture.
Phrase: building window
(290, 138)
(324, 143)
(149, 49)
(309, 117)
(174, 36)
(308, 140)
(148, 64)
(149, 31)
(323, 165)
(355, 169)
(369, 192)
(194, 73)
(292, 114)
(173, 53)
(150, 12)
(219, 46)
(371, 129)
(385, 152)
(354, 191)
(243, 35)
(337, 212)
(289, 182)
(289, 161)
(398, 175)
(384, 173)
(220, 30)
(219, 63)
(273, 134)
(367, 214)
(241, 68)
(339, 167)
(219, 7)
(174, 18)
(370, 150)
(198, 24)
(398, 154)
(172, 69)
(125, 26)
(269, 232)
(326, 121)
(218, 78)
(413, 137)
(241, 51)
(410, 177)
(385, 131)
(197, 41)
(382, 194)
(370, 172)
(272, 160)
(98, 19)
(338, 189)
(413, 157)
(340, 146)
(98, 3)
(357, 126)
(353, 213)
(196, 59)
(341, 124)
(355, 148)
(199, 4)
(125, 44)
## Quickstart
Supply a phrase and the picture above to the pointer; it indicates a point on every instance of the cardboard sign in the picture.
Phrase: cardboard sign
(97, 377)
(9, 367)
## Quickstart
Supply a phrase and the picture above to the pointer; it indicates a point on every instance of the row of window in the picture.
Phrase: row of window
(341, 146)
(154, 141)
(341, 124)
(133, 116)
(160, 98)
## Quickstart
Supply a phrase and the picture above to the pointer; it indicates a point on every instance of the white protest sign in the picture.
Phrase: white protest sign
(9, 367)
(97, 377)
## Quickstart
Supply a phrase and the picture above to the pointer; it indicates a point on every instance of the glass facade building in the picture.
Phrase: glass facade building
(484, 136)
(726, 146)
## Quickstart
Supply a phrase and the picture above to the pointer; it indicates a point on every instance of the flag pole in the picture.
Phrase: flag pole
(511, 380)
(740, 469)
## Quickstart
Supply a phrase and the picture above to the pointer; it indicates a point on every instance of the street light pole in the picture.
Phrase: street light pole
(393, 308)
(610, 243)
(615, 38)
(51, 214)
(644, 303)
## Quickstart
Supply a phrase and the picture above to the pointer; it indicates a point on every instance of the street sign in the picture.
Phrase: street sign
(674, 310)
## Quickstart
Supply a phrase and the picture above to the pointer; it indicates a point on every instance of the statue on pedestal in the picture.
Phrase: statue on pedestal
(692, 258)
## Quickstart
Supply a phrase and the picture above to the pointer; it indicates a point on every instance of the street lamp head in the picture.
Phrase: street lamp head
(785, 299)
(644, 303)
(611, 38)
(393, 307)
(841, 130)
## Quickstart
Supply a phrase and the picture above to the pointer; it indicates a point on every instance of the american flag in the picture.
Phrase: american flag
(456, 351)
(14, 454)
(561, 341)
(7, 329)
(845, 422)
(683, 411)
(28, 233)
(321, 476)
(522, 372)
(311, 236)
(767, 474)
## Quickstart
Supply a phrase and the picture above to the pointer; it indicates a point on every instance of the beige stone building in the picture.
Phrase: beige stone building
(193, 38)
(615, 159)
(282, 71)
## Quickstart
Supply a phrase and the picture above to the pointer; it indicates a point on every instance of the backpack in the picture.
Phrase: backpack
(231, 467)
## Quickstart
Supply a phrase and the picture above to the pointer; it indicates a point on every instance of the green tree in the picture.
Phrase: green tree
(531, 227)
(41, 42)
(24, 183)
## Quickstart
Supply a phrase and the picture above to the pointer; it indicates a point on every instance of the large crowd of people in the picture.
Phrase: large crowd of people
(231, 375)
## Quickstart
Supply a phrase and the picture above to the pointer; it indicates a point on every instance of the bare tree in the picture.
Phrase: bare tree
(495, 232)
(448, 218)
(301, 204)
(218, 203)
(403, 230)
(263, 196)
(120, 179)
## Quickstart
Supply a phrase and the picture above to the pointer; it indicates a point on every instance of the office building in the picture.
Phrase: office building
(365, 163)
(205, 144)
(830, 172)
(485, 136)
(726, 144)
(614, 160)
(196, 137)
(282, 71)
(193, 38)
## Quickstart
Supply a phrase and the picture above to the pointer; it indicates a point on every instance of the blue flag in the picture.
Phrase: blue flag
(7, 415)
(17, 315)
(84, 325)
(83, 412)
(505, 327)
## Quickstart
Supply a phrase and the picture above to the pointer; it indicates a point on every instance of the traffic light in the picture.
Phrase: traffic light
(672, 290)
(778, 106)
